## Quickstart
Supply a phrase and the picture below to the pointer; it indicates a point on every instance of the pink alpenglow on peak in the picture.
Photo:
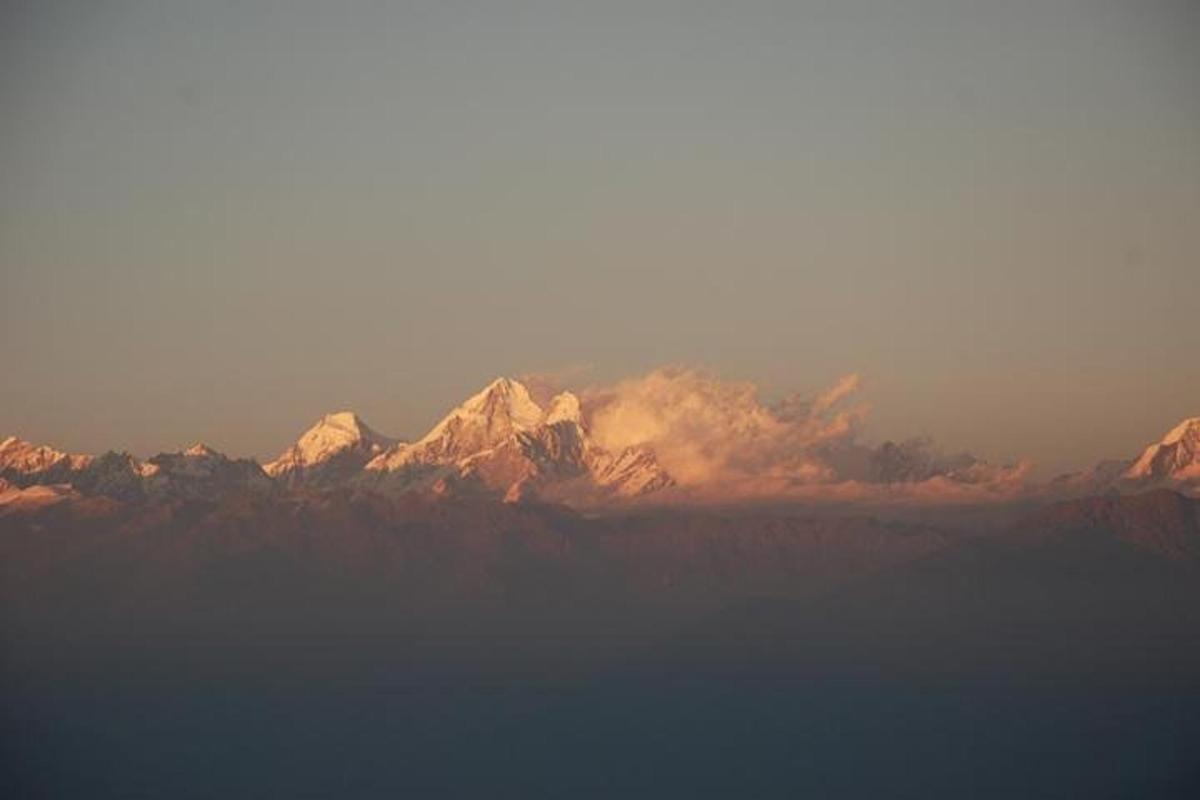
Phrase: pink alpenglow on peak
(672, 436)
(336, 447)
(23, 463)
(1175, 457)
(486, 420)
(501, 442)
(564, 407)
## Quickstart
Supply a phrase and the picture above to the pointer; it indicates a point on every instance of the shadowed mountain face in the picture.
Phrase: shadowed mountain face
(315, 562)
(283, 641)
(1161, 522)
(329, 453)
(423, 553)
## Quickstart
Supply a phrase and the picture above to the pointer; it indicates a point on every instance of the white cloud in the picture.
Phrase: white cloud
(719, 440)
(705, 430)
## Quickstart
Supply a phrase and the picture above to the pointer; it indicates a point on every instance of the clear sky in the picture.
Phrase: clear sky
(220, 219)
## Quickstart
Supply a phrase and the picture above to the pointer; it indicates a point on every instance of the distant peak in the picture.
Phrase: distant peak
(506, 397)
(16, 442)
(564, 407)
(501, 383)
(16, 453)
(343, 427)
(501, 387)
(343, 420)
(200, 450)
(1181, 430)
(483, 421)
(333, 433)
(1176, 456)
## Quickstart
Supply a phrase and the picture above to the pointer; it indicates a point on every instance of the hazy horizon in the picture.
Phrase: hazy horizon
(219, 221)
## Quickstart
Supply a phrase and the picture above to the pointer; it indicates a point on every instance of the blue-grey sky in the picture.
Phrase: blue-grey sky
(221, 219)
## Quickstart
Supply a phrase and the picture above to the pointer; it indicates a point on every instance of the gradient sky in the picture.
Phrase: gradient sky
(220, 219)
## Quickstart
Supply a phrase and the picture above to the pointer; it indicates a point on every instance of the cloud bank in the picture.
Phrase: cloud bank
(718, 438)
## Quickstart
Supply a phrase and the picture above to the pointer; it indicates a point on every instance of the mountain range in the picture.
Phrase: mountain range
(502, 444)
(1172, 462)
(521, 544)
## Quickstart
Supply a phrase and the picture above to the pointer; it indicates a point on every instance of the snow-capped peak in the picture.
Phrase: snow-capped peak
(1175, 457)
(334, 433)
(343, 420)
(501, 440)
(502, 408)
(510, 397)
(502, 398)
(200, 450)
(564, 408)
(488, 419)
(18, 456)
(13, 447)
(1191, 425)
(342, 432)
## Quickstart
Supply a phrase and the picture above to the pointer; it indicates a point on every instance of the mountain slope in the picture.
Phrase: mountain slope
(26, 464)
(486, 420)
(501, 442)
(333, 450)
(1161, 521)
(1173, 462)
(1175, 458)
